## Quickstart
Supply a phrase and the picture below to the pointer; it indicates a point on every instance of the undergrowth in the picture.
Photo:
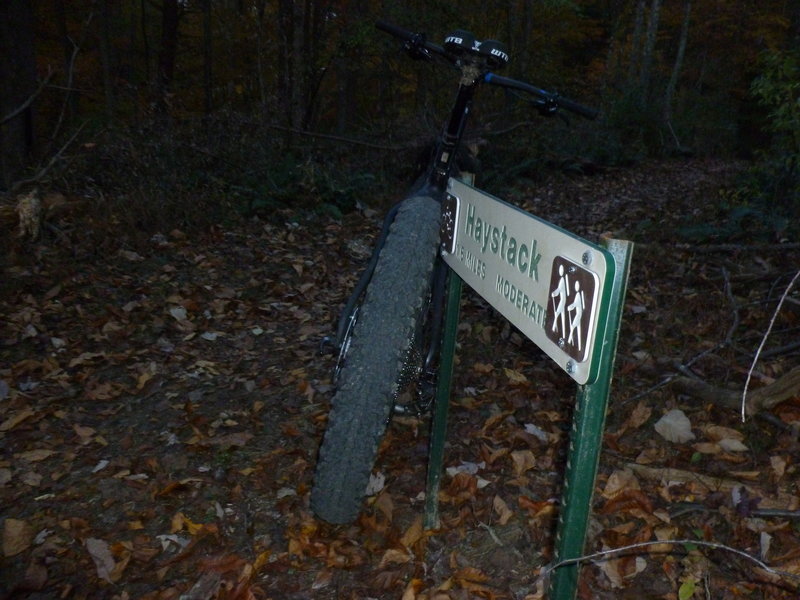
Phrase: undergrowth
(165, 175)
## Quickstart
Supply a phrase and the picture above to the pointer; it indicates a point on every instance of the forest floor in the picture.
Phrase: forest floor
(161, 407)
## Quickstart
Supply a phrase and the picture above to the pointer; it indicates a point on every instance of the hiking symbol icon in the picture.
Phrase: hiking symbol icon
(571, 298)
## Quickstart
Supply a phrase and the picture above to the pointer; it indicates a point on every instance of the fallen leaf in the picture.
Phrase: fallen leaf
(179, 521)
(414, 533)
(86, 357)
(35, 455)
(778, 464)
(537, 432)
(515, 376)
(716, 433)
(31, 478)
(410, 593)
(523, 460)
(16, 419)
(731, 445)
(204, 588)
(142, 379)
(131, 256)
(17, 536)
(104, 562)
(619, 481)
(628, 500)
(395, 556)
(376, 483)
(675, 427)
(469, 468)
(765, 541)
(322, 580)
(621, 570)
(178, 313)
(230, 440)
(384, 504)
(707, 448)
(85, 433)
(537, 508)
(639, 416)
(501, 508)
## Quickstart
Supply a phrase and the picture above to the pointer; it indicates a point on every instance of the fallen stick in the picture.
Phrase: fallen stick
(781, 500)
(764, 398)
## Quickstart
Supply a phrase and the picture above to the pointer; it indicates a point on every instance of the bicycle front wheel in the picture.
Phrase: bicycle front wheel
(377, 361)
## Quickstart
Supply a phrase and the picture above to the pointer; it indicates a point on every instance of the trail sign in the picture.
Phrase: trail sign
(551, 284)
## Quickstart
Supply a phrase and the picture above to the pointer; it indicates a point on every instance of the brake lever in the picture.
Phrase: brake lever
(548, 107)
(415, 47)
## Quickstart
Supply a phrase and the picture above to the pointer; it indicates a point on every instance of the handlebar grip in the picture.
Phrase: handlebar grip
(578, 109)
(398, 32)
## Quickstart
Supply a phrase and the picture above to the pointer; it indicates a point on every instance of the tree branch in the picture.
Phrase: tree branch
(29, 100)
(43, 171)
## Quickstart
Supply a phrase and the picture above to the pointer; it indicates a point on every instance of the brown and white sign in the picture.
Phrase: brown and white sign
(547, 281)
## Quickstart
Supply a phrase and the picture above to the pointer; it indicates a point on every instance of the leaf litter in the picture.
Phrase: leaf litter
(161, 410)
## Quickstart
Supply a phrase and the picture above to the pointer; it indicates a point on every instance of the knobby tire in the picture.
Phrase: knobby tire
(389, 318)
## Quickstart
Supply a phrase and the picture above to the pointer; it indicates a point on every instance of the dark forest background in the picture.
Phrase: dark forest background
(176, 111)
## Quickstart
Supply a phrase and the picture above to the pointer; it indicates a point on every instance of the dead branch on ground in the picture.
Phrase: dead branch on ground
(761, 399)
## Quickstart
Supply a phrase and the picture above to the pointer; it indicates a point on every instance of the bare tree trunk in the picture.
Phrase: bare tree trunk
(527, 35)
(313, 72)
(676, 68)
(17, 85)
(260, 7)
(286, 58)
(649, 48)
(66, 43)
(145, 40)
(298, 54)
(207, 80)
(170, 17)
(106, 58)
(634, 72)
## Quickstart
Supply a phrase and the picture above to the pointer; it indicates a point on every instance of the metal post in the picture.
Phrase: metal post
(439, 422)
(586, 438)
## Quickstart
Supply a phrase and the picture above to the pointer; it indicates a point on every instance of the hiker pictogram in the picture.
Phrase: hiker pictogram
(571, 297)
(576, 315)
(559, 296)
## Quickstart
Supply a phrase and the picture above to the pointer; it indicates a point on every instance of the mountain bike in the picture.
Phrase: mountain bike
(389, 333)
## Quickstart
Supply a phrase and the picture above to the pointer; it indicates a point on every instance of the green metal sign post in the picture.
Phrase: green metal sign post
(586, 439)
(593, 279)
(442, 402)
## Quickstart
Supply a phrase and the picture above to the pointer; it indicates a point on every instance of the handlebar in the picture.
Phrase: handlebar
(419, 47)
(548, 97)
